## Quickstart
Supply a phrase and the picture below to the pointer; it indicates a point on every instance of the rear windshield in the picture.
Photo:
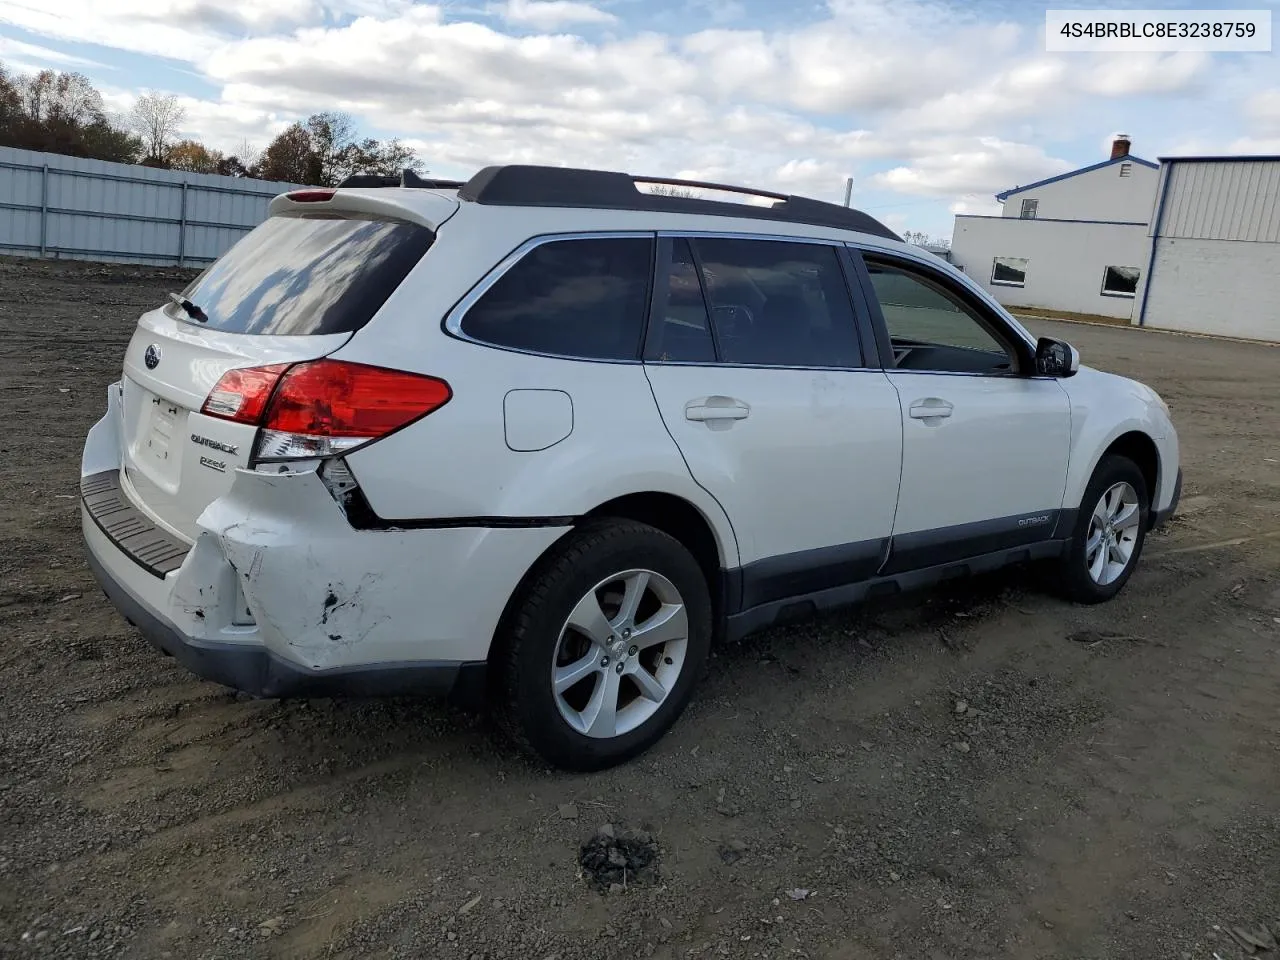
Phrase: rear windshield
(306, 276)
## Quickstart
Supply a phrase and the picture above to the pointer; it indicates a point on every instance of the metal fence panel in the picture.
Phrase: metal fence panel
(70, 207)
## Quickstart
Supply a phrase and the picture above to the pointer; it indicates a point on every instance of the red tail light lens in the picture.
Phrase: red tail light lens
(329, 398)
(324, 407)
(310, 196)
(242, 395)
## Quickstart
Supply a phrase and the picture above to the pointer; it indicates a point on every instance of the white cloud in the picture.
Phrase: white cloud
(976, 207)
(959, 106)
(31, 56)
(109, 23)
(949, 168)
(1263, 110)
(553, 14)
(1137, 74)
(1269, 146)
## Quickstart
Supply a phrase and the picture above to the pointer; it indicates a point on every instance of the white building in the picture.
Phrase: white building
(1077, 242)
(1213, 259)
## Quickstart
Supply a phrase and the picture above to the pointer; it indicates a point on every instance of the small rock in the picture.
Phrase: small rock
(1048, 925)
(568, 811)
(616, 888)
(799, 893)
(606, 831)
(451, 936)
(961, 746)
(665, 923)
(733, 851)
(961, 708)
(269, 928)
(895, 876)
(470, 905)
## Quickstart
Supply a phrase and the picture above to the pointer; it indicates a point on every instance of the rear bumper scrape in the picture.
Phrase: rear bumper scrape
(256, 671)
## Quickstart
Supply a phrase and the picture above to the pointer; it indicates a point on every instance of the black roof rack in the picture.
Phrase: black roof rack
(407, 178)
(519, 185)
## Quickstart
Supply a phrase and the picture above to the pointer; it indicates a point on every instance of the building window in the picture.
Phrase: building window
(1126, 168)
(1029, 208)
(1120, 281)
(1009, 271)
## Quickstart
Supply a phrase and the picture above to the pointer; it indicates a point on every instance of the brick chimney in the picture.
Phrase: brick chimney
(1120, 146)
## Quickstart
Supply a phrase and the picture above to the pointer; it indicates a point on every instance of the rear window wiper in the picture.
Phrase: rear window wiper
(194, 312)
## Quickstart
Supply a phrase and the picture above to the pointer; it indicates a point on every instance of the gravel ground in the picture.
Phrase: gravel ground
(980, 772)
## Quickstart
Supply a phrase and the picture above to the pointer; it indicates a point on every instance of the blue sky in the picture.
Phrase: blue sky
(931, 106)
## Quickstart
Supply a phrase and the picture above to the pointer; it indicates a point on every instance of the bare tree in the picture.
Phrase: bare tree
(332, 137)
(156, 118)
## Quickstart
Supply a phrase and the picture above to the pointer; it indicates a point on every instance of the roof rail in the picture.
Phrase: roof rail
(520, 185)
(406, 178)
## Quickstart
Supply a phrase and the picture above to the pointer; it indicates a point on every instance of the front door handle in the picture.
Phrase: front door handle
(716, 408)
(931, 408)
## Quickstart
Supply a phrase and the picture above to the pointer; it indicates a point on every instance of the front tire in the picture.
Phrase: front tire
(1109, 534)
(603, 646)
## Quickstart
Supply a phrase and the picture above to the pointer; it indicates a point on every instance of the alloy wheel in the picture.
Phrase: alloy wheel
(620, 653)
(1113, 534)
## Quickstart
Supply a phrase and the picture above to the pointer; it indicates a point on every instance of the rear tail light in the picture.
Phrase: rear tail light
(242, 395)
(323, 408)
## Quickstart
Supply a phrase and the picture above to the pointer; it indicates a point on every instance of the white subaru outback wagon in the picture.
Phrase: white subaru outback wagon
(546, 435)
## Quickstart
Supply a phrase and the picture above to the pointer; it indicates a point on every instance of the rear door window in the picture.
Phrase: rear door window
(583, 297)
(778, 303)
(307, 276)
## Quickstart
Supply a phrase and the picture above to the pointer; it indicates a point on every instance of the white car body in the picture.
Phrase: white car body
(808, 487)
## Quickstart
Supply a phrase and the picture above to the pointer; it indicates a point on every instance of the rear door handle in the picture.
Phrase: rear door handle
(931, 408)
(716, 408)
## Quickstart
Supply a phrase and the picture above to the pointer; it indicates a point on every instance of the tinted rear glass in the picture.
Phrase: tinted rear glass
(572, 298)
(308, 276)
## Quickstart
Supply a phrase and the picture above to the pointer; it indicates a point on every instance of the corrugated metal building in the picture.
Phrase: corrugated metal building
(69, 207)
(1214, 263)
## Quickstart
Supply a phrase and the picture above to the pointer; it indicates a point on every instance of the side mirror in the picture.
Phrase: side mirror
(1056, 358)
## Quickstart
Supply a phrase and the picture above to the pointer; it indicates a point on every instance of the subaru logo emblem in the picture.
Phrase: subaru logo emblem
(152, 357)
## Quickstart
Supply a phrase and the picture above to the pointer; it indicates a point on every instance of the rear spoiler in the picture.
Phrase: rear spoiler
(407, 178)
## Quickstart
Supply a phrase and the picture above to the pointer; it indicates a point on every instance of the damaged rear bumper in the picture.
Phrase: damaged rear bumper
(254, 670)
(279, 595)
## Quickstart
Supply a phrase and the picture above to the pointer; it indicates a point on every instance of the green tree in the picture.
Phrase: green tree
(324, 151)
(289, 158)
(194, 157)
(60, 113)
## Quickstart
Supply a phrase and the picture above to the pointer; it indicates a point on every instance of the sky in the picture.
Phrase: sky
(932, 107)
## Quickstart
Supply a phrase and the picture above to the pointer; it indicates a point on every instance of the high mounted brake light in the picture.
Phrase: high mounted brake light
(324, 407)
(310, 196)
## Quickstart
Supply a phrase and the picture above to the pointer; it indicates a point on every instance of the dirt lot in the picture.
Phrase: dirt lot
(1111, 788)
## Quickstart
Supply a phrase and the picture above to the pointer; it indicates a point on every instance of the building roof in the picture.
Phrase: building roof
(1239, 157)
(1127, 158)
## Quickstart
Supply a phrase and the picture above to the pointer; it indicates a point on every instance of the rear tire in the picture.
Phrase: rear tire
(1110, 531)
(600, 652)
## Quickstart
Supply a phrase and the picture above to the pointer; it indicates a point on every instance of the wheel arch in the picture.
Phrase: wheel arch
(675, 516)
(1136, 445)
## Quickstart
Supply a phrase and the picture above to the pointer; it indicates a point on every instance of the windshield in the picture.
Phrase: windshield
(307, 276)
